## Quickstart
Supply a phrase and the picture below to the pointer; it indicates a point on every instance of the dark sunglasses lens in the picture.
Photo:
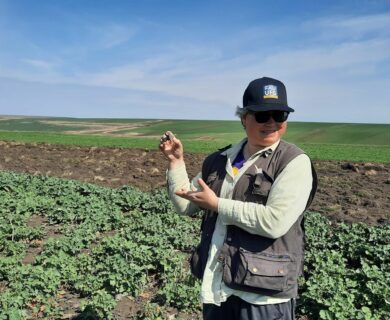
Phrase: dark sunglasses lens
(262, 117)
(278, 116)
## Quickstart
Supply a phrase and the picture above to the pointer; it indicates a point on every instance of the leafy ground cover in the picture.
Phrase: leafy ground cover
(122, 253)
(347, 270)
(108, 245)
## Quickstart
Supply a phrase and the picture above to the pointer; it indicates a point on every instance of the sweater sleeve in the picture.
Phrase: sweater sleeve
(178, 179)
(286, 202)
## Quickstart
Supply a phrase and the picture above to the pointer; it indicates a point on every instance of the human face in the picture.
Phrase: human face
(265, 134)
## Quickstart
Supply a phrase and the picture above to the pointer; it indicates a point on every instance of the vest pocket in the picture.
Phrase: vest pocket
(262, 270)
(196, 263)
(211, 178)
(262, 184)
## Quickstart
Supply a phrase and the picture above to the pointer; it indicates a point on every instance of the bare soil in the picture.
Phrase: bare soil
(347, 191)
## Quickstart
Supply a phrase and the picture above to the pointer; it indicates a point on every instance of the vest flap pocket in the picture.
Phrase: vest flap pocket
(262, 184)
(263, 270)
(211, 178)
(196, 263)
(269, 268)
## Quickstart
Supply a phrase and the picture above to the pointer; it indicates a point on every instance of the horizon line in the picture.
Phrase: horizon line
(171, 119)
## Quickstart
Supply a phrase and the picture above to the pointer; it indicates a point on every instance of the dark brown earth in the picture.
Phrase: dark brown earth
(347, 191)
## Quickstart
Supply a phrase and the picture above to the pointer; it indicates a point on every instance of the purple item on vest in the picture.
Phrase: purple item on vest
(239, 161)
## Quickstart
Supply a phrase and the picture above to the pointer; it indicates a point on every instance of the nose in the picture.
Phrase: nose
(270, 120)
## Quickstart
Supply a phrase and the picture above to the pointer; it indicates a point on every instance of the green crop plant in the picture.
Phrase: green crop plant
(110, 242)
(346, 271)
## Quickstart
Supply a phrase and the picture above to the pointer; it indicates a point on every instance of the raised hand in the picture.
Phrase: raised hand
(172, 149)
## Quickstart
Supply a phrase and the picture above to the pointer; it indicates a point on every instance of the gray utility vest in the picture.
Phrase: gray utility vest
(251, 262)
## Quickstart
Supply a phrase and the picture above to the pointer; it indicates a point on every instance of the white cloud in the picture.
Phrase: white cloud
(358, 24)
(83, 101)
(342, 58)
(180, 79)
(349, 28)
(211, 78)
(40, 64)
(112, 35)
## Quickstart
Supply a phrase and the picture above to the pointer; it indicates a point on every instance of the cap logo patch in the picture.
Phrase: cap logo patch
(270, 92)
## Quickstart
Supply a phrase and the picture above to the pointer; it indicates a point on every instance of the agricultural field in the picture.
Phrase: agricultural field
(323, 141)
(87, 230)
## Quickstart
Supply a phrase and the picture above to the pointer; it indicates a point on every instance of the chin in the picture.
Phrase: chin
(268, 140)
(267, 143)
(262, 142)
(274, 136)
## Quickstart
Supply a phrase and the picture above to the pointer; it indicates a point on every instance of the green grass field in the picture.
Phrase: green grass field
(322, 141)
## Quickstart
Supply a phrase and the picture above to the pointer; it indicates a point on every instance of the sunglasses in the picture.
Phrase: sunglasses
(264, 116)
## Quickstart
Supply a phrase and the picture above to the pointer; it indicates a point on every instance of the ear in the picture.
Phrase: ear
(243, 120)
(283, 128)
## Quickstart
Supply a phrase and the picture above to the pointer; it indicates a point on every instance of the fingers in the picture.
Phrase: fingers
(171, 136)
(185, 194)
(165, 142)
(164, 138)
(169, 143)
(181, 192)
(192, 195)
(168, 136)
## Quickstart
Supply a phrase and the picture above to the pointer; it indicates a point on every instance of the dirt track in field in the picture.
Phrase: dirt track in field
(350, 192)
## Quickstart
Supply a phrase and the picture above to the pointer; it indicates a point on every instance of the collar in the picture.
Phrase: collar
(232, 152)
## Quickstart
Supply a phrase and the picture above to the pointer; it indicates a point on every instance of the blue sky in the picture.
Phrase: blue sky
(194, 59)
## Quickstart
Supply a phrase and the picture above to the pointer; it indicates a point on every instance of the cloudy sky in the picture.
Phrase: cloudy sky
(193, 59)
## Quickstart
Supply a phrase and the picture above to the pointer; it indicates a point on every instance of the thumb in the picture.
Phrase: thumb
(203, 184)
(175, 140)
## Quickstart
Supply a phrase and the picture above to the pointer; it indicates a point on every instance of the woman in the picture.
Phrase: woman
(254, 194)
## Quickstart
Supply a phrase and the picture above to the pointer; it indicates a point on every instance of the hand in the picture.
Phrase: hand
(172, 149)
(206, 198)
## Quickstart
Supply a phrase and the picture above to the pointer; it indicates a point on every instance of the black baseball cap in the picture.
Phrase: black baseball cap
(266, 94)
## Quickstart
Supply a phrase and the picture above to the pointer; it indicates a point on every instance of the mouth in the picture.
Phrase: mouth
(267, 132)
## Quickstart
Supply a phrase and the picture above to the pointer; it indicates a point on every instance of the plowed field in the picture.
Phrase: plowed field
(350, 192)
